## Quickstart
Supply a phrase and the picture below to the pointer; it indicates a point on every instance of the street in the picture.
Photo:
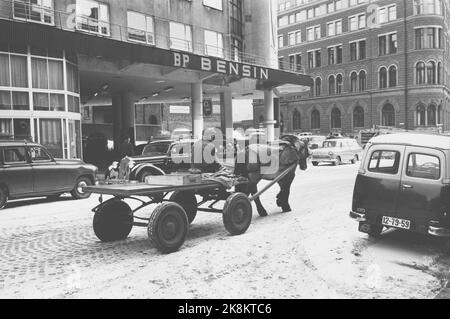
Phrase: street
(49, 250)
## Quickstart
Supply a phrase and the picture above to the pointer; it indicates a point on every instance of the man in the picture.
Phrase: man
(126, 148)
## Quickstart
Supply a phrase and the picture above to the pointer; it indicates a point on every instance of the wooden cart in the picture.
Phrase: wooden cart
(168, 224)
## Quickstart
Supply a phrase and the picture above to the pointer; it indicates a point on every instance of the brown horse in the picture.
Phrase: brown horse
(258, 162)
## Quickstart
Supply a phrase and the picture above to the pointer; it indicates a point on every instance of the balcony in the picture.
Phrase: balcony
(92, 25)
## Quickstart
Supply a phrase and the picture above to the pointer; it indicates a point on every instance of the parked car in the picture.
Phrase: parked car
(158, 158)
(404, 183)
(28, 170)
(316, 141)
(337, 151)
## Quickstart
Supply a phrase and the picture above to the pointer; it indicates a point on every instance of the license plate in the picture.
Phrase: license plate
(396, 222)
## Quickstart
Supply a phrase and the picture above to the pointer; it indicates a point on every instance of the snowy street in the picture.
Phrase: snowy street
(48, 250)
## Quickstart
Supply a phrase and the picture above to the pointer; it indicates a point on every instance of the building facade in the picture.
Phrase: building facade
(56, 55)
(373, 62)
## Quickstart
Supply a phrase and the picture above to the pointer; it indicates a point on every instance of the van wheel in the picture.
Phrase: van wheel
(77, 192)
(3, 197)
(375, 230)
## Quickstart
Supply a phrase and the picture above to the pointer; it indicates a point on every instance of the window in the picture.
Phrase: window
(431, 72)
(213, 43)
(318, 86)
(388, 115)
(427, 7)
(424, 166)
(296, 120)
(47, 74)
(298, 37)
(428, 38)
(51, 136)
(353, 81)
(357, 22)
(331, 59)
(16, 155)
(339, 82)
(383, 78)
(292, 65)
(300, 16)
(283, 21)
(314, 59)
(336, 118)
(431, 115)
(392, 76)
(280, 41)
(216, 4)
(384, 162)
(420, 73)
(362, 81)
(315, 119)
(331, 85)
(140, 28)
(358, 117)
(40, 11)
(93, 16)
(358, 50)
(180, 36)
(334, 28)
(313, 33)
(421, 115)
(335, 55)
(291, 38)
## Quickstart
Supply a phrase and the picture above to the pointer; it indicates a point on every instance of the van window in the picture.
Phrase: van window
(385, 162)
(424, 166)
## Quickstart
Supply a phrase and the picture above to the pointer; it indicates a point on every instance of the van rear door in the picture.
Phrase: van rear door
(378, 183)
(421, 187)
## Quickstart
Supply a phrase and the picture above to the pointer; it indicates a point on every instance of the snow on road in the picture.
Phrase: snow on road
(49, 250)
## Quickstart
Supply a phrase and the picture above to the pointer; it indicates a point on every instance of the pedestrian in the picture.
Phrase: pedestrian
(126, 148)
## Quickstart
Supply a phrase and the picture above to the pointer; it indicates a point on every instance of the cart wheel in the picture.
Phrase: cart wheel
(113, 221)
(188, 201)
(237, 214)
(168, 227)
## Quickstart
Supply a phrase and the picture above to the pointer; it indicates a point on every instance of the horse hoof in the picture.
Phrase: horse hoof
(279, 203)
(286, 209)
(263, 213)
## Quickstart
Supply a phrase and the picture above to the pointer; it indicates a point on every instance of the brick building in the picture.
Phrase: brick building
(373, 63)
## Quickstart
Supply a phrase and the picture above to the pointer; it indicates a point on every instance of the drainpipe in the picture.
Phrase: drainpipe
(406, 63)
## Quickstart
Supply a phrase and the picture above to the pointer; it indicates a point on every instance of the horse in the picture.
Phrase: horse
(286, 152)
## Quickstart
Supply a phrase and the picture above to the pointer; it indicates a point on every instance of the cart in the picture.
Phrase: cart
(177, 208)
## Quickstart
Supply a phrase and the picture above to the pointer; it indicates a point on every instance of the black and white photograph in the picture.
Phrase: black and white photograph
(212, 150)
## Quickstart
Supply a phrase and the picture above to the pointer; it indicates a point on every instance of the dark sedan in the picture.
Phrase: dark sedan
(28, 170)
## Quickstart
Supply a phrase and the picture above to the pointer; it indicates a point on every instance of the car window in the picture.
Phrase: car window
(424, 166)
(38, 154)
(385, 162)
(14, 155)
(329, 144)
(156, 148)
(180, 149)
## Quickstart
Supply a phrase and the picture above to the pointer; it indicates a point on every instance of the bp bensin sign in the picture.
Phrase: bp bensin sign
(209, 64)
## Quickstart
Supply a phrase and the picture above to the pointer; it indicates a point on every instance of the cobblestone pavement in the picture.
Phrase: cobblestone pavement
(48, 250)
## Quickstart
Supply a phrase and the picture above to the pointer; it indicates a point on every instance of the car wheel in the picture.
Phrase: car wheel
(142, 176)
(338, 161)
(315, 163)
(77, 192)
(354, 160)
(3, 197)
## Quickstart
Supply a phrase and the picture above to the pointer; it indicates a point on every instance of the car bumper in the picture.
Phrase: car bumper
(323, 160)
(359, 217)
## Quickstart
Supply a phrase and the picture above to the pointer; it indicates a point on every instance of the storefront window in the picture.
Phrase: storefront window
(5, 100)
(75, 139)
(51, 136)
(20, 101)
(4, 67)
(19, 74)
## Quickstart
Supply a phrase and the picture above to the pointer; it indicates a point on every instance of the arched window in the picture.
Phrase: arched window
(431, 115)
(388, 115)
(331, 85)
(431, 72)
(353, 81)
(153, 120)
(339, 81)
(315, 120)
(358, 117)
(383, 78)
(439, 73)
(362, 81)
(336, 118)
(318, 86)
(420, 73)
(296, 120)
(421, 115)
(392, 76)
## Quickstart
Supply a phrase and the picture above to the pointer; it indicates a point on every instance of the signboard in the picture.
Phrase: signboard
(180, 109)
(207, 107)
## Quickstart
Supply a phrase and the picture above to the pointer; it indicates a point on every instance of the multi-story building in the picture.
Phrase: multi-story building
(373, 62)
(136, 54)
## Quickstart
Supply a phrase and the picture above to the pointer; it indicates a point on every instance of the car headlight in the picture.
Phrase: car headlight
(331, 154)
